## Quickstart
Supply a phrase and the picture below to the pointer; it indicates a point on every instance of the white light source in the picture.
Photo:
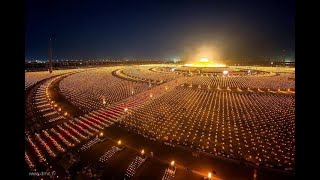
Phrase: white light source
(225, 72)
(204, 59)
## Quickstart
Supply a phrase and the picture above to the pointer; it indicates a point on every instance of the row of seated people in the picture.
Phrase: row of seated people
(89, 144)
(262, 82)
(169, 173)
(107, 155)
(134, 165)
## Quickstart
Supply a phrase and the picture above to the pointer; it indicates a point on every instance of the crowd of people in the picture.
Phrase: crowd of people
(143, 72)
(134, 165)
(28, 161)
(256, 127)
(169, 173)
(107, 155)
(91, 90)
(259, 81)
(89, 144)
(46, 109)
(32, 78)
(52, 142)
(279, 69)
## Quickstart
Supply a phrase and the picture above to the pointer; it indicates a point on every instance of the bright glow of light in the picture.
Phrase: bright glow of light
(204, 59)
(225, 72)
(142, 152)
(209, 175)
(175, 60)
(125, 109)
(205, 64)
(119, 142)
(172, 163)
(101, 134)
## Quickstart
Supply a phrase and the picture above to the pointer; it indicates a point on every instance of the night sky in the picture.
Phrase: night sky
(137, 29)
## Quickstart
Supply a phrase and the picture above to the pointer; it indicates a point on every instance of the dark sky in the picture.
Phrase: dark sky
(91, 29)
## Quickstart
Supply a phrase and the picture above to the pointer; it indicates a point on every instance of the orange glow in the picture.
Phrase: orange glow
(172, 163)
